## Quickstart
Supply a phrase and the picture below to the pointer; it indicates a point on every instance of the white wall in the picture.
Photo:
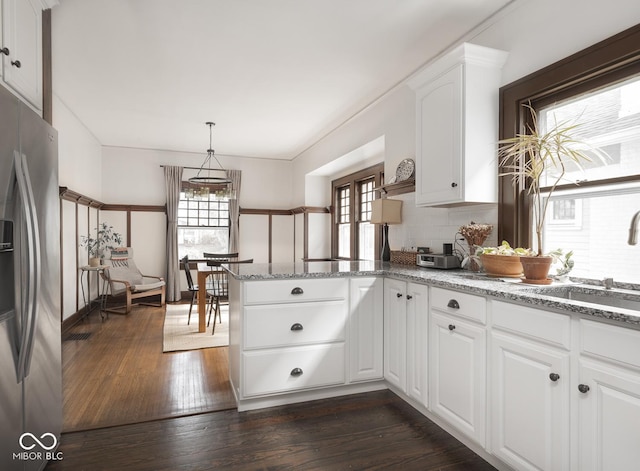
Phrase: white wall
(79, 165)
(79, 153)
(536, 34)
(134, 176)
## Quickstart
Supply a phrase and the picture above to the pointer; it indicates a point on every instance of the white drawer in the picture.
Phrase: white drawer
(610, 342)
(534, 323)
(289, 369)
(461, 304)
(295, 291)
(277, 325)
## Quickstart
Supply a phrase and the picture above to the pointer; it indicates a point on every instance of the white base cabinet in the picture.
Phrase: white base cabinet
(530, 383)
(365, 329)
(303, 339)
(608, 397)
(458, 374)
(530, 403)
(406, 337)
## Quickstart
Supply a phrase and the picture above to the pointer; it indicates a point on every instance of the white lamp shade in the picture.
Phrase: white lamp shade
(385, 211)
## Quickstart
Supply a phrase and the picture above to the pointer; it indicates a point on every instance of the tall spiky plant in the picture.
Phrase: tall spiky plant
(527, 157)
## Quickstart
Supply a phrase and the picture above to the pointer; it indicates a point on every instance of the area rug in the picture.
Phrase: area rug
(179, 336)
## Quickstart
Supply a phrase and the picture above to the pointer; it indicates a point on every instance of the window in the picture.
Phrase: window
(590, 212)
(203, 225)
(354, 237)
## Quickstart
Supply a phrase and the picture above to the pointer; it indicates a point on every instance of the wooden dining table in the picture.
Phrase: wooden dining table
(204, 271)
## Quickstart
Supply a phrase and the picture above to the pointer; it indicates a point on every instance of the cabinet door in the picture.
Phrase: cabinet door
(530, 399)
(395, 332)
(439, 140)
(457, 372)
(609, 430)
(22, 35)
(365, 329)
(417, 342)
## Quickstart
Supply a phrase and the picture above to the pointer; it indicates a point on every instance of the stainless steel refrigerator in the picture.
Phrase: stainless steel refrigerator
(30, 343)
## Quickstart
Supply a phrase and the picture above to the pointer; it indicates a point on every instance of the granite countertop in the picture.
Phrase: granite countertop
(511, 290)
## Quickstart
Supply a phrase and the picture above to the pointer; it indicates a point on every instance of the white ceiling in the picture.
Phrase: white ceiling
(275, 75)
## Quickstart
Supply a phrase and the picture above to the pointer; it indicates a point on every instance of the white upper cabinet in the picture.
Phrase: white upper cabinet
(22, 48)
(457, 127)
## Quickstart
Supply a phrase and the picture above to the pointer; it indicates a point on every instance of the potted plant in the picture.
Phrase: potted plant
(106, 238)
(528, 158)
(502, 261)
(475, 235)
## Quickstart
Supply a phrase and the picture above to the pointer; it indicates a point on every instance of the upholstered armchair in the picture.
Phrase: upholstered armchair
(124, 277)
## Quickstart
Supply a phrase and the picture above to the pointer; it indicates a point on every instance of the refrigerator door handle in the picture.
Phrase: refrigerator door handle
(29, 315)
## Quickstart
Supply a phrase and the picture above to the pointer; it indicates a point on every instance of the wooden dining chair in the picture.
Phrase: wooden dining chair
(220, 257)
(193, 288)
(218, 289)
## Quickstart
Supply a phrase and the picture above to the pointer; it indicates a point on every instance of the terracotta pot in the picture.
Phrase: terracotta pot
(502, 265)
(536, 268)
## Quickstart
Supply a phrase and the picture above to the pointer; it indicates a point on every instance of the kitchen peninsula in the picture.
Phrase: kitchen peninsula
(514, 371)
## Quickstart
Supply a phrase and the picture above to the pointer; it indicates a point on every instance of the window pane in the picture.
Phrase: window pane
(366, 241)
(195, 241)
(203, 227)
(608, 119)
(344, 240)
(343, 205)
(366, 196)
(594, 222)
(596, 231)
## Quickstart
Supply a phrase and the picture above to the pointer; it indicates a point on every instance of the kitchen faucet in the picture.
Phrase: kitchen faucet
(633, 230)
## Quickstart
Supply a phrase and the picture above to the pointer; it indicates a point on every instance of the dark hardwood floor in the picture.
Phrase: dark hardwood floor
(119, 375)
(366, 431)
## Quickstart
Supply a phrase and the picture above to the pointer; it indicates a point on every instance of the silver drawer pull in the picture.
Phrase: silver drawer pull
(453, 304)
(297, 290)
(296, 327)
(296, 372)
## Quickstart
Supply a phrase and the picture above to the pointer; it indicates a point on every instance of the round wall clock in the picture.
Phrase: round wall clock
(405, 170)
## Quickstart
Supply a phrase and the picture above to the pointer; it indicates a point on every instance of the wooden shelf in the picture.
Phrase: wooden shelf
(398, 188)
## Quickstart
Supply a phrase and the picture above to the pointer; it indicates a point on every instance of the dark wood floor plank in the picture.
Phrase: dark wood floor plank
(365, 431)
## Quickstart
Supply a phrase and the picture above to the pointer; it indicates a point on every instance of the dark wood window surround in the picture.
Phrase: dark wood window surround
(607, 62)
(352, 181)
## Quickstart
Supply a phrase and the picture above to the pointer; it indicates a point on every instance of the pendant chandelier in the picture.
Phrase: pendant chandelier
(210, 180)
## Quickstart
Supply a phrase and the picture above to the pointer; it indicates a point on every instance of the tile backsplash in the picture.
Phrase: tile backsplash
(432, 227)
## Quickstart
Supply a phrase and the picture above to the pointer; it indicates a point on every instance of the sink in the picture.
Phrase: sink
(616, 298)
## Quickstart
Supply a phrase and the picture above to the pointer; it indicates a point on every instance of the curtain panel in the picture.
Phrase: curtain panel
(234, 210)
(173, 181)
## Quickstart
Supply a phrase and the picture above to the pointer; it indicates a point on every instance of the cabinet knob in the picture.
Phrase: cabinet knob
(554, 377)
(5, 51)
(453, 304)
(409, 297)
(296, 372)
(297, 290)
(454, 184)
(398, 295)
(583, 388)
(452, 327)
(296, 327)
(16, 64)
